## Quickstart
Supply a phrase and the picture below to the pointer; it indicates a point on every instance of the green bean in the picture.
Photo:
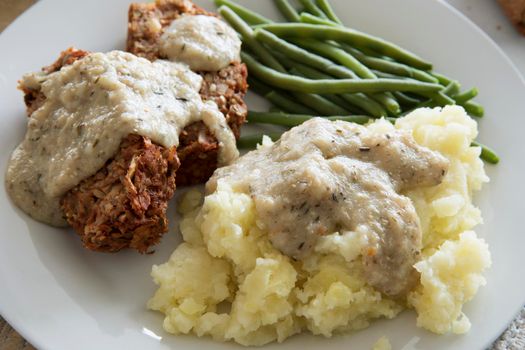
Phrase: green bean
(387, 66)
(439, 98)
(312, 8)
(387, 100)
(351, 63)
(250, 141)
(303, 69)
(287, 10)
(374, 62)
(361, 101)
(465, 96)
(487, 154)
(381, 74)
(324, 86)
(404, 99)
(474, 109)
(351, 107)
(336, 54)
(285, 102)
(366, 104)
(350, 36)
(301, 55)
(452, 88)
(275, 109)
(258, 86)
(319, 104)
(246, 14)
(335, 99)
(248, 38)
(328, 11)
(341, 102)
(423, 76)
(296, 119)
(328, 66)
(332, 52)
(409, 74)
(294, 52)
(443, 80)
(306, 17)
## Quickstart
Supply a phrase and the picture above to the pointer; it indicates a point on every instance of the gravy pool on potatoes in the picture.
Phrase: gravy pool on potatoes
(323, 177)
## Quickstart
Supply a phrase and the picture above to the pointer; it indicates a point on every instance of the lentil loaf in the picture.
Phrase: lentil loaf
(124, 204)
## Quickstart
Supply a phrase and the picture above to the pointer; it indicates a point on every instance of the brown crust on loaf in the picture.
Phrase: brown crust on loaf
(67, 57)
(227, 88)
(34, 98)
(515, 11)
(124, 204)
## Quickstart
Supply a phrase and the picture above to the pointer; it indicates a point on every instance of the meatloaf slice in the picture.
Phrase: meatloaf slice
(122, 207)
(124, 204)
(198, 148)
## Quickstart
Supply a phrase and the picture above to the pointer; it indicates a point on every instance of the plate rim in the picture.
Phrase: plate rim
(32, 337)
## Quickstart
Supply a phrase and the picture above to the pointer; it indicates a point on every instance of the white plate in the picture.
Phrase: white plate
(60, 296)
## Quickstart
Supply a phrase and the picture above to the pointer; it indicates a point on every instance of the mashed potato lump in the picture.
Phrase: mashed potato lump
(228, 281)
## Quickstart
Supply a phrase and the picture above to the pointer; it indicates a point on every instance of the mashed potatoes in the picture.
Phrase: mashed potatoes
(228, 281)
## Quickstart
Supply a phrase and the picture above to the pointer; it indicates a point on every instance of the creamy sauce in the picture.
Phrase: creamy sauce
(90, 107)
(324, 177)
(205, 43)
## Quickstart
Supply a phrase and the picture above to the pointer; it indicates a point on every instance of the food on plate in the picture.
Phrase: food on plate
(89, 108)
(110, 135)
(515, 11)
(314, 65)
(330, 227)
(325, 177)
(102, 148)
(152, 27)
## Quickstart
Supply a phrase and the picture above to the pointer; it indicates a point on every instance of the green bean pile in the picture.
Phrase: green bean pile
(315, 66)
